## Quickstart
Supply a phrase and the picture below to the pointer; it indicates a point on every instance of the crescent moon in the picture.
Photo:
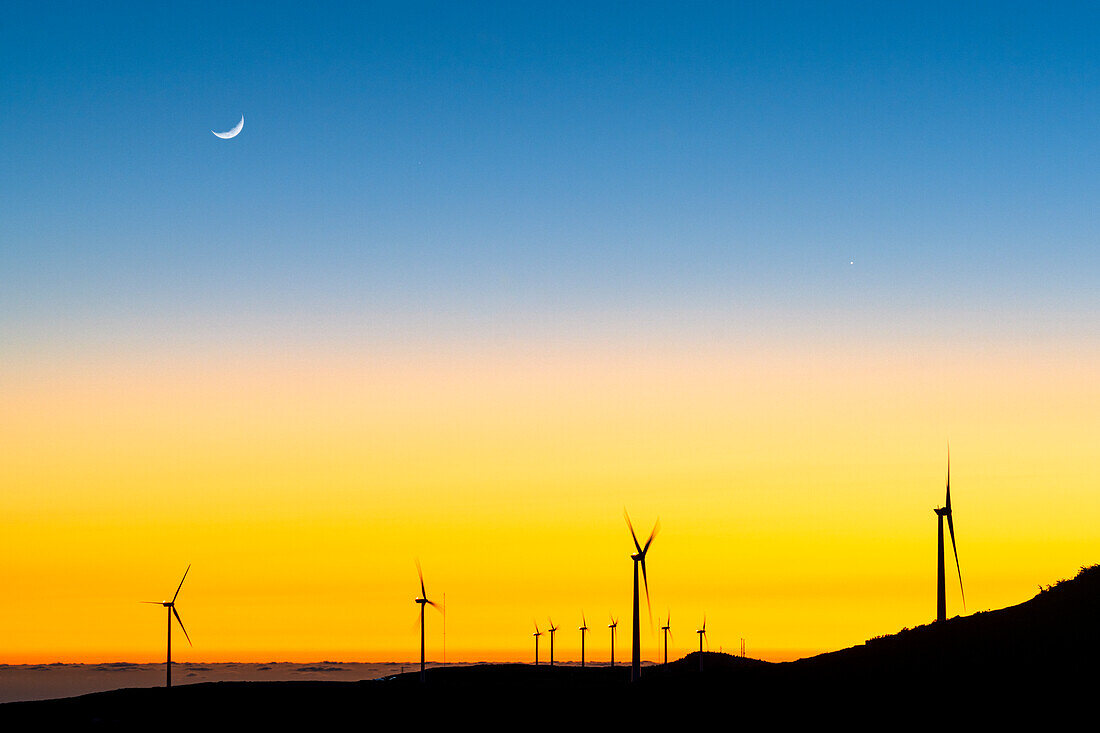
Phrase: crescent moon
(231, 133)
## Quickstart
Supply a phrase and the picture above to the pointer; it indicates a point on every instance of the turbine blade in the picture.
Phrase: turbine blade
(177, 615)
(656, 528)
(155, 603)
(633, 536)
(435, 605)
(423, 593)
(647, 603)
(951, 528)
(947, 501)
(181, 583)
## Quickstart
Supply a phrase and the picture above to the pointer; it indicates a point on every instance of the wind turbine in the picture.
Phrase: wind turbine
(423, 600)
(945, 511)
(702, 632)
(537, 634)
(639, 559)
(171, 606)
(667, 628)
(614, 623)
(552, 629)
(583, 628)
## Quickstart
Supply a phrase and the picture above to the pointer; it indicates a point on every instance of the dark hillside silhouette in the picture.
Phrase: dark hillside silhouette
(1049, 637)
(1014, 661)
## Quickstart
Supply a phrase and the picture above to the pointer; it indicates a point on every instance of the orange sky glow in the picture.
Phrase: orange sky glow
(794, 485)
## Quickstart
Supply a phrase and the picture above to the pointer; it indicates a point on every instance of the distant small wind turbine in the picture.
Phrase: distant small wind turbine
(552, 629)
(639, 559)
(941, 590)
(537, 634)
(613, 625)
(423, 600)
(583, 628)
(702, 632)
(171, 606)
(667, 628)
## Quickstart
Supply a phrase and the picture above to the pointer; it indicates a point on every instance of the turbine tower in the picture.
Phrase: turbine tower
(583, 628)
(423, 600)
(639, 559)
(614, 623)
(552, 629)
(702, 632)
(171, 606)
(537, 634)
(945, 511)
(667, 628)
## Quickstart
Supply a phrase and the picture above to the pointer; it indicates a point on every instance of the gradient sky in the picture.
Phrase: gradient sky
(474, 278)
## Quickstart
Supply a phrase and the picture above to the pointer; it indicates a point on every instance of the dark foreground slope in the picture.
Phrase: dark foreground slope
(1036, 659)
(1015, 661)
(1052, 639)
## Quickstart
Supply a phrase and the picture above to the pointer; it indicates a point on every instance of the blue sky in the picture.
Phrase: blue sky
(441, 164)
